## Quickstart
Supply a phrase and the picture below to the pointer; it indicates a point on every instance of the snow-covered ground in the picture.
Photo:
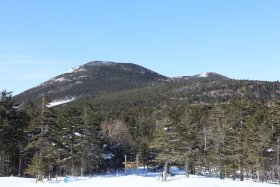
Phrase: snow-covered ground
(113, 180)
(60, 102)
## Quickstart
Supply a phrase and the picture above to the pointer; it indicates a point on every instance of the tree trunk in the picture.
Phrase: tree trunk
(19, 166)
(37, 178)
(187, 168)
(83, 166)
(82, 171)
(1, 166)
(72, 168)
(72, 154)
(125, 164)
(137, 164)
(241, 166)
(165, 172)
(146, 170)
(278, 159)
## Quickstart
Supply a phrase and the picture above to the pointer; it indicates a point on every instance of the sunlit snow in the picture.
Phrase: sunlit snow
(78, 134)
(76, 69)
(73, 69)
(205, 74)
(107, 156)
(114, 179)
(62, 101)
(60, 79)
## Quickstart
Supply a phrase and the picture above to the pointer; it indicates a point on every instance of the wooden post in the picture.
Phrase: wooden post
(125, 165)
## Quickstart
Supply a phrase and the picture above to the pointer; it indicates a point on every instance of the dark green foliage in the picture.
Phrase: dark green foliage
(94, 79)
(12, 136)
(36, 168)
(43, 136)
(211, 126)
(79, 137)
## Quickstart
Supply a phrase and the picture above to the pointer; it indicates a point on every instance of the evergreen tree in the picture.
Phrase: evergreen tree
(218, 122)
(43, 137)
(190, 145)
(90, 151)
(71, 138)
(166, 139)
(258, 140)
(274, 116)
(12, 137)
(36, 167)
(79, 137)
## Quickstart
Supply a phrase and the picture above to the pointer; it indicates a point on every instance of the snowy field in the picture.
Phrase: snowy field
(152, 180)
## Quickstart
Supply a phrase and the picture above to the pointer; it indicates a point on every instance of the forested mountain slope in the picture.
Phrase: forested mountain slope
(91, 79)
(208, 123)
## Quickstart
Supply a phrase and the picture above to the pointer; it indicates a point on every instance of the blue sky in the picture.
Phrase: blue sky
(42, 39)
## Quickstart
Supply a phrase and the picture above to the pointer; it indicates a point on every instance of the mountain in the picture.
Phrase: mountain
(210, 75)
(119, 83)
(205, 76)
(92, 79)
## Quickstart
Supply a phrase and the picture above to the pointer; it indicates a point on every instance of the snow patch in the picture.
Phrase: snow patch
(60, 79)
(165, 129)
(151, 180)
(59, 102)
(81, 77)
(270, 150)
(204, 75)
(107, 156)
(100, 63)
(78, 134)
(72, 70)
(76, 69)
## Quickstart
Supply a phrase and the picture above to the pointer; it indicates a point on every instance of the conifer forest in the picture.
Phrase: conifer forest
(226, 137)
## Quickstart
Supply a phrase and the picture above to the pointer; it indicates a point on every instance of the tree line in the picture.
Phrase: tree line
(238, 138)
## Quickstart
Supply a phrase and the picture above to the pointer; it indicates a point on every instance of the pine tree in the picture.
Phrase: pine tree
(190, 141)
(43, 134)
(36, 167)
(12, 139)
(71, 138)
(143, 137)
(166, 139)
(218, 122)
(274, 116)
(239, 114)
(90, 151)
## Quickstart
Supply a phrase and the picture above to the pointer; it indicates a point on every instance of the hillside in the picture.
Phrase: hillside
(126, 82)
(117, 109)
(92, 79)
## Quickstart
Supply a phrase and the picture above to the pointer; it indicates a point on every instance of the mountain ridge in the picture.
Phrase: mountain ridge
(98, 78)
(93, 78)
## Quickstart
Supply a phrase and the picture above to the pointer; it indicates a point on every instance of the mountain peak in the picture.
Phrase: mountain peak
(92, 79)
(91, 64)
(210, 75)
(207, 74)
(100, 63)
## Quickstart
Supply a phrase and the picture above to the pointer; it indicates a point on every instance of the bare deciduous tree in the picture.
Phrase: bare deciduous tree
(116, 131)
